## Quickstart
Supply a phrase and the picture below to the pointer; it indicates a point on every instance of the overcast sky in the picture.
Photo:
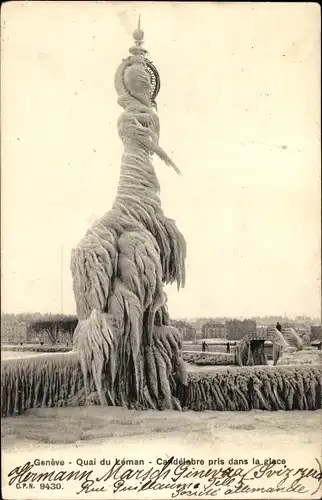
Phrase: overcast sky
(239, 110)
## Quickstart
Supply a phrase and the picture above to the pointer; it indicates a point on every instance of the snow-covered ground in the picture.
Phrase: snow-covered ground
(97, 432)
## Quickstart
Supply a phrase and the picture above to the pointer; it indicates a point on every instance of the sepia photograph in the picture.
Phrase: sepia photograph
(161, 328)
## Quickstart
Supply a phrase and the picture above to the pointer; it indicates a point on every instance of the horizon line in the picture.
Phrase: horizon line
(176, 317)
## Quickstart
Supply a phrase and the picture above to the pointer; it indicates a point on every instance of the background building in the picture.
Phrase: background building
(236, 329)
(214, 330)
(13, 332)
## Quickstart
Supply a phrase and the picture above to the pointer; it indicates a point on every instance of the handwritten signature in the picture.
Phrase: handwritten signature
(181, 479)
